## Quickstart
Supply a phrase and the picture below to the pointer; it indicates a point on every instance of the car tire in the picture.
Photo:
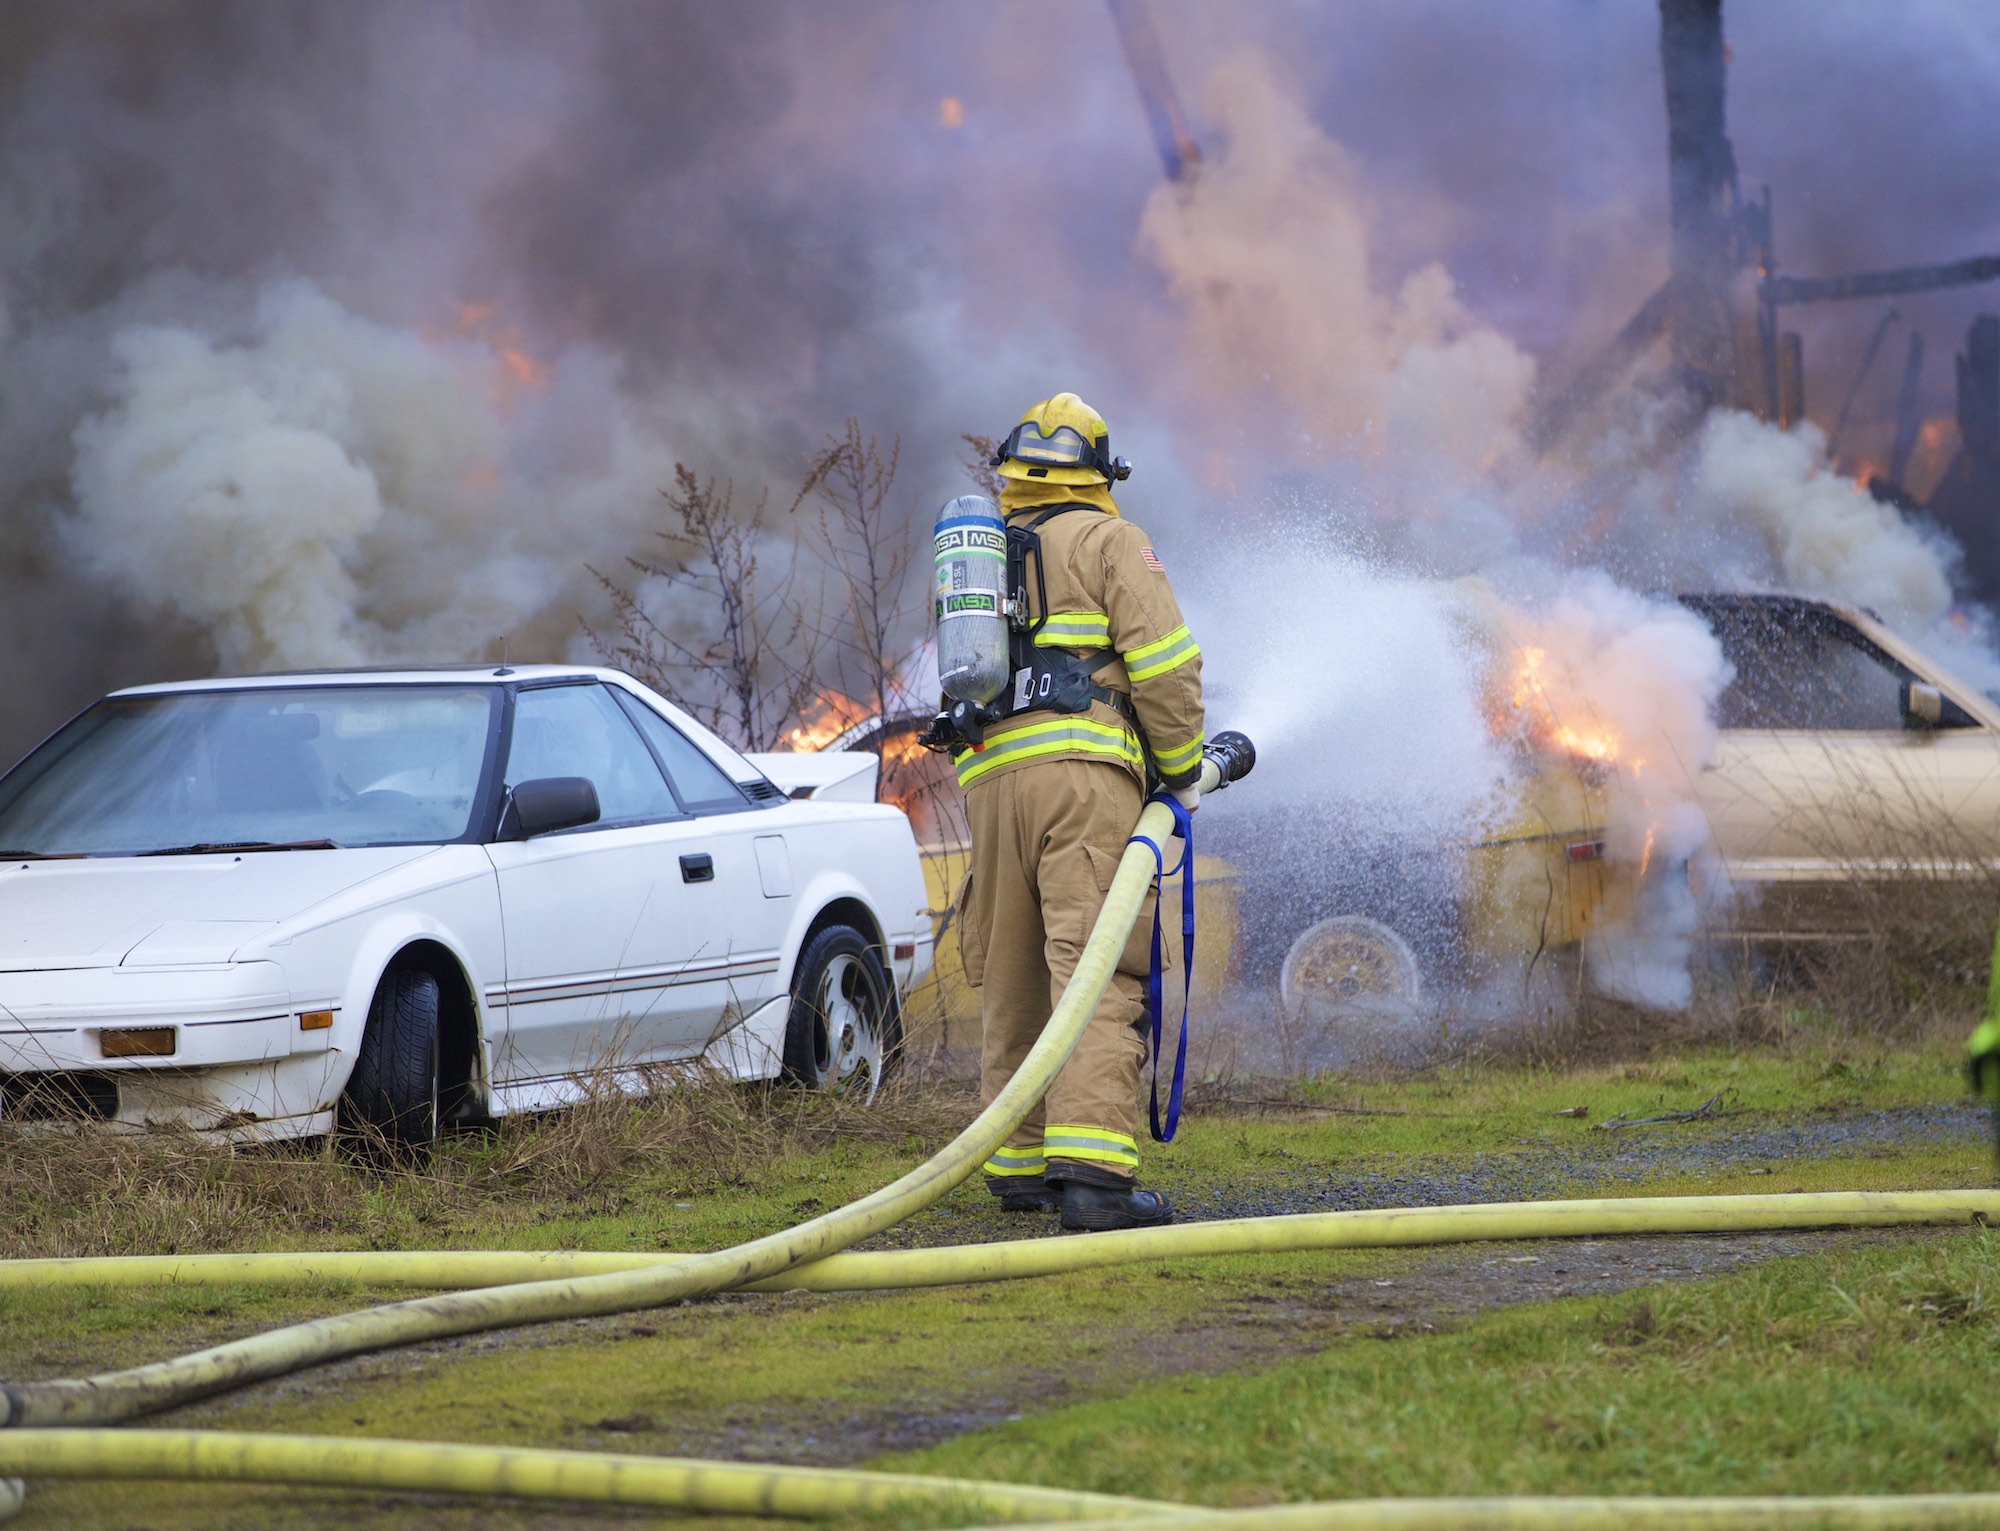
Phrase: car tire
(391, 1100)
(845, 1029)
(1351, 990)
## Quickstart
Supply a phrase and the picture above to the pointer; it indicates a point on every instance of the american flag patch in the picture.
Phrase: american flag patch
(1152, 560)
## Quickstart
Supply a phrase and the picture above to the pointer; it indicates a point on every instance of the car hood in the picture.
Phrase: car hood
(96, 913)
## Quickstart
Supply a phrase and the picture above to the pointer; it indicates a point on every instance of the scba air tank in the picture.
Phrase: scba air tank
(971, 548)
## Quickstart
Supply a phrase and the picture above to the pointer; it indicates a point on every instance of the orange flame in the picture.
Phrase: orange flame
(822, 720)
(1533, 713)
(516, 373)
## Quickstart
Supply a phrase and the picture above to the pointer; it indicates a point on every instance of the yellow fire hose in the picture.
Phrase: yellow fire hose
(811, 1493)
(727, 1488)
(1860, 1512)
(543, 1287)
(1017, 1259)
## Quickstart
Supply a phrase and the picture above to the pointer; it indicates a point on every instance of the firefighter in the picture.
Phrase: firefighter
(1982, 1049)
(1052, 792)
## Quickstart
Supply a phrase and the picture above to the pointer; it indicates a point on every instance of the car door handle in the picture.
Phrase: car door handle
(698, 868)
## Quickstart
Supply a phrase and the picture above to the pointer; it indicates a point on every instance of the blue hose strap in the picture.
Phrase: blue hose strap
(1184, 868)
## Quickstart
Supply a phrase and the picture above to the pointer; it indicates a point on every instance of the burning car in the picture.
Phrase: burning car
(405, 898)
(1849, 765)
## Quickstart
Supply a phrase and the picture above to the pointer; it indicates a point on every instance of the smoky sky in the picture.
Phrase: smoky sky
(762, 212)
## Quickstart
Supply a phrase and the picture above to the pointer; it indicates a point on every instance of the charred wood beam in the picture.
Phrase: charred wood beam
(1179, 153)
(1854, 388)
(1909, 412)
(1979, 390)
(1703, 199)
(1881, 284)
(1601, 373)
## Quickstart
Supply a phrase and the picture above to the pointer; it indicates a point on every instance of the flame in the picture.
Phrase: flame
(907, 779)
(516, 373)
(1863, 473)
(1533, 713)
(951, 113)
(822, 720)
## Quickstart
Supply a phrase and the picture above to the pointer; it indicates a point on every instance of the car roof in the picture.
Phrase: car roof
(383, 675)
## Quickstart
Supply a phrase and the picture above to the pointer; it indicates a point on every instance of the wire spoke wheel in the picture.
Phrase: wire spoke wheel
(1354, 989)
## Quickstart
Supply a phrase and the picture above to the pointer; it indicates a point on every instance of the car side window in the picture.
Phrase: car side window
(1806, 671)
(580, 731)
(700, 782)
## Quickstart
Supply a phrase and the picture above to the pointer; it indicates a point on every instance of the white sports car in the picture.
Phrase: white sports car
(410, 898)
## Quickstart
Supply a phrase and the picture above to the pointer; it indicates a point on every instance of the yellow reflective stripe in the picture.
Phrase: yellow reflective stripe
(1169, 653)
(1075, 630)
(1068, 736)
(1095, 1144)
(1017, 1162)
(1007, 1155)
(1173, 762)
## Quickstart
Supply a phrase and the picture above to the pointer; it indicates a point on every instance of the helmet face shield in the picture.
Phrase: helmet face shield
(1064, 448)
(1040, 448)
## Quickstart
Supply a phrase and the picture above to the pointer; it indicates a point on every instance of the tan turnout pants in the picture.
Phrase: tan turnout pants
(1046, 839)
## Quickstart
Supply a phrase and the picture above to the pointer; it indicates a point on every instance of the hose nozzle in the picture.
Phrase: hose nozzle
(1232, 755)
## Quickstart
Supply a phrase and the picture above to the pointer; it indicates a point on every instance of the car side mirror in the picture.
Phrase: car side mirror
(1925, 706)
(548, 803)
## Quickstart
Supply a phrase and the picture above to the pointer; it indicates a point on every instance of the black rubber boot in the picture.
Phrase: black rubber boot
(1024, 1194)
(1098, 1202)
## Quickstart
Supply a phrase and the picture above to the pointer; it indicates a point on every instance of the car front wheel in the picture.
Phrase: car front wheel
(391, 1099)
(844, 1029)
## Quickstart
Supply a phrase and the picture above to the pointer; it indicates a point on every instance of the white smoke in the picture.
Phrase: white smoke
(1821, 534)
(331, 491)
(1630, 684)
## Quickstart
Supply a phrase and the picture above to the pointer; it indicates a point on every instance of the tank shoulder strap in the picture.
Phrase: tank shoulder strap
(1055, 510)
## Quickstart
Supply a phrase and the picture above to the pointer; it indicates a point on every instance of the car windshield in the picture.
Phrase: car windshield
(281, 768)
(1800, 667)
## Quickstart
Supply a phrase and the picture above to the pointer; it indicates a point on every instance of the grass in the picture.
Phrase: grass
(1245, 1377)
(1868, 1370)
(697, 1168)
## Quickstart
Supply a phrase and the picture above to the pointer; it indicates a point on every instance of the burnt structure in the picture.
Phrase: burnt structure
(1180, 155)
(1722, 307)
(1966, 501)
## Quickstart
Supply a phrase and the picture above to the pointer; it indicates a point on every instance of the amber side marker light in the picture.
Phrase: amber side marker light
(315, 1020)
(138, 1042)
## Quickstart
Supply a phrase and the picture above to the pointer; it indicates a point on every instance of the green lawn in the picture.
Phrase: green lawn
(1245, 1380)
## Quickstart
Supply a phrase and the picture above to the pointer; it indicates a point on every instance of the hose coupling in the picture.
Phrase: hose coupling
(1232, 754)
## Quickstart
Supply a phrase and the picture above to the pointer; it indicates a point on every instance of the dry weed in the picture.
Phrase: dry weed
(84, 1190)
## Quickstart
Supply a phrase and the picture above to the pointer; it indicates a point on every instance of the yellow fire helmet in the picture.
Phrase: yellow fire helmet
(1061, 441)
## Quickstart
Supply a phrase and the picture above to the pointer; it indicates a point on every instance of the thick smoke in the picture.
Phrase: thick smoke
(331, 335)
(1398, 416)
(333, 491)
